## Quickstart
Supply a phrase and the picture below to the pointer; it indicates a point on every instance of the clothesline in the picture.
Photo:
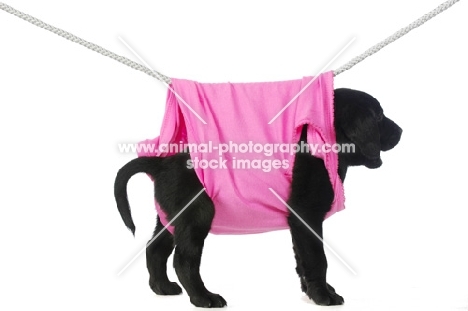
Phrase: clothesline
(155, 74)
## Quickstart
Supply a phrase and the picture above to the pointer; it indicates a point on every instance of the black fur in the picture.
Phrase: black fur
(359, 119)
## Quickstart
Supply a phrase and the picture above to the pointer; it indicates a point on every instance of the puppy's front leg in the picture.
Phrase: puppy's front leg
(311, 262)
(311, 198)
(300, 272)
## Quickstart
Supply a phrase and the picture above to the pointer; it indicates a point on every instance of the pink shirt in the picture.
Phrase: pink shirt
(237, 114)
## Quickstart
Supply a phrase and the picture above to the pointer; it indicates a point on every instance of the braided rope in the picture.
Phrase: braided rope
(397, 35)
(94, 47)
(89, 45)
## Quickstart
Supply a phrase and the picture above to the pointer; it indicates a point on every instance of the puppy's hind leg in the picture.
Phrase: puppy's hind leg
(191, 229)
(157, 253)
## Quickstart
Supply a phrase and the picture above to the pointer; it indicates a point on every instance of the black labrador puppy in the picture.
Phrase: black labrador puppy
(359, 119)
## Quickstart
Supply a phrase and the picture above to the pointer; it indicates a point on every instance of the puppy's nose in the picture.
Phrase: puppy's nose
(397, 134)
(399, 130)
(394, 139)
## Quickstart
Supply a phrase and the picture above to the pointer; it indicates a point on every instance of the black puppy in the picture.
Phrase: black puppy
(359, 119)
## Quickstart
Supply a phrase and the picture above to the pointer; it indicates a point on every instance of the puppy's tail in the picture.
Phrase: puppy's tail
(148, 165)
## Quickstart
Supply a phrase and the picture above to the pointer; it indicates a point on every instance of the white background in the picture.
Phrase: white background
(64, 109)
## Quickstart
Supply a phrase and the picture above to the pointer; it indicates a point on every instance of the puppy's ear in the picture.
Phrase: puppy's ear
(360, 126)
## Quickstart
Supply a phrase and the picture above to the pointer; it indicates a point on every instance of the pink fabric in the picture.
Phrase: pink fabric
(239, 113)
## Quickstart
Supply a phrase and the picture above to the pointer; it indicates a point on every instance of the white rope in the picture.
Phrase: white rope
(400, 33)
(89, 45)
(397, 35)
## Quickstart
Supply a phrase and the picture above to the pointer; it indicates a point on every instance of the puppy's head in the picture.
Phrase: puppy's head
(359, 119)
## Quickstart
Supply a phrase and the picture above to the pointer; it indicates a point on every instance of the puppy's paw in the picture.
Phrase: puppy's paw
(209, 300)
(331, 289)
(166, 288)
(304, 286)
(324, 295)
